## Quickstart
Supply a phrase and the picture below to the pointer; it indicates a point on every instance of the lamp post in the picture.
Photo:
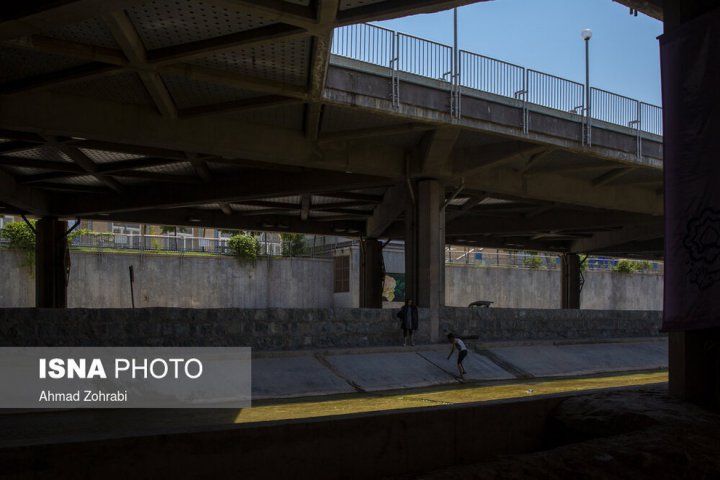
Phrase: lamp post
(587, 35)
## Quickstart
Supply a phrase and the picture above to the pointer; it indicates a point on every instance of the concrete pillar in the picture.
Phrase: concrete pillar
(50, 263)
(689, 50)
(411, 249)
(424, 250)
(371, 273)
(570, 283)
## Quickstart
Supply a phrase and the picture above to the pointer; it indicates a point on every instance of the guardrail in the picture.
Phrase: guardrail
(414, 55)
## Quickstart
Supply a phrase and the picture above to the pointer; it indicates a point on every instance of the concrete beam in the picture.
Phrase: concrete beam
(470, 161)
(84, 162)
(631, 233)
(56, 79)
(250, 186)
(131, 44)
(466, 207)
(397, 8)
(192, 217)
(436, 149)
(611, 176)
(388, 211)
(549, 221)
(244, 105)
(373, 132)
(571, 191)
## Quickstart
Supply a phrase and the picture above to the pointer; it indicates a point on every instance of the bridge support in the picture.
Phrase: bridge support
(371, 273)
(50, 263)
(570, 282)
(691, 132)
(424, 250)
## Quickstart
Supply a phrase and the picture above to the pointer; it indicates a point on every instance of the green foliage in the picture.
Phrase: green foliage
(244, 247)
(19, 235)
(293, 244)
(626, 266)
(533, 261)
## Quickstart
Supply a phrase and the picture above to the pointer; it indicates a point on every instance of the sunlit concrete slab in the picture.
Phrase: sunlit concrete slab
(478, 367)
(296, 376)
(387, 371)
(565, 360)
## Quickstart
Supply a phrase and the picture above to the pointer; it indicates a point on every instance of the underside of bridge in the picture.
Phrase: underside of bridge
(235, 114)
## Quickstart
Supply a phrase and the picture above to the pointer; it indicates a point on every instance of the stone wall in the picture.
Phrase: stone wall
(294, 329)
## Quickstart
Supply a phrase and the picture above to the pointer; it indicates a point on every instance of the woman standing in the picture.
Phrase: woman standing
(408, 315)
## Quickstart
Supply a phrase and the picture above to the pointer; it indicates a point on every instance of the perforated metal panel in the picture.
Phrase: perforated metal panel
(190, 93)
(85, 180)
(42, 153)
(285, 62)
(123, 88)
(91, 32)
(348, 4)
(164, 23)
(22, 64)
(102, 156)
(180, 168)
(246, 208)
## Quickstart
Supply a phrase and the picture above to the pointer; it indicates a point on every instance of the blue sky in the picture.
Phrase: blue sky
(545, 35)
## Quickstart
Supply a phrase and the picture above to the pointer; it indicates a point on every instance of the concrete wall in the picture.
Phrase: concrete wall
(102, 280)
(189, 281)
(295, 329)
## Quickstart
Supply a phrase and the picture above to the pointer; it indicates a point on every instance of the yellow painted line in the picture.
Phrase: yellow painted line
(435, 396)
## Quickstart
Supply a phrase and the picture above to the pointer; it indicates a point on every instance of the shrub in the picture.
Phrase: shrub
(293, 244)
(19, 235)
(533, 261)
(244, 247)
(626, 266)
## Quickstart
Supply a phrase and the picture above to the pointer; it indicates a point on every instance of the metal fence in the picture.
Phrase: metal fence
(455, 255)
(613, 108)
(490, 75)
(366, 43)
(651, 118)
(423, 57)
(409, 54)
(554, 92)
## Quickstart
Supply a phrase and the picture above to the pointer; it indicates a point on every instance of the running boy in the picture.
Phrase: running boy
(462, 353)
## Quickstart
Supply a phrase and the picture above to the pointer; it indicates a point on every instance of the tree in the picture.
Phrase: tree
(293, 244)
(19, 235)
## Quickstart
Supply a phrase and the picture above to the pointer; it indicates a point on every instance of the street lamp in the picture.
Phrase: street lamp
(587, 35)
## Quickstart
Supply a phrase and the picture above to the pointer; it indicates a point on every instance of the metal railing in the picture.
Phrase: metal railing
(613, 108)
(490, 75)
(555, 92)
(651, 118)
(367, 43)
(424, 57)
(409, 54)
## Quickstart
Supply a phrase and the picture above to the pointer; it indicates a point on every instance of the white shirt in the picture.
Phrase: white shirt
(460, 344)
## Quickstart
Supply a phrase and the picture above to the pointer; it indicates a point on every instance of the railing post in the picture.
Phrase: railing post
(394, 67)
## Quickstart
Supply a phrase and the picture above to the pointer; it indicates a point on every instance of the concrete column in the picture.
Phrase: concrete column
(430, 243)
(691, 126)
(411, 249)
(570, 283)
(50, 263)
(371, 273)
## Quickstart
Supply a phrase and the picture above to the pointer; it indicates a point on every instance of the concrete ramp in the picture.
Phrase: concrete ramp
(478, 367)
(294, 376)
(586, 359)
(389, 371)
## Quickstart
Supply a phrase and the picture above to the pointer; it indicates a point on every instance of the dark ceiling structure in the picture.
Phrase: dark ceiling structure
(219, 113)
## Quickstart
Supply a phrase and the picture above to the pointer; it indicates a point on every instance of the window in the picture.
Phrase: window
(342, 274)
